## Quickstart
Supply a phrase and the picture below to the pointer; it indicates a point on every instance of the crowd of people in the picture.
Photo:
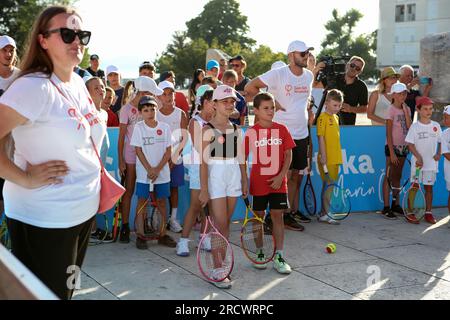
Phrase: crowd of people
(54, 116)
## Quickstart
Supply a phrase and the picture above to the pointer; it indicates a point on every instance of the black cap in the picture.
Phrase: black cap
(94, 57)
(238, 57)
(165, 75)
(145, 100)
(147, 64)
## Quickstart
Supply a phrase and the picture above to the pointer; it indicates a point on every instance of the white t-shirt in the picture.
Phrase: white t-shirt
(5, 82)
(292, 93)
(425, 138)
(445, 144)
(55, 131)
(174, 122)
(154, 143)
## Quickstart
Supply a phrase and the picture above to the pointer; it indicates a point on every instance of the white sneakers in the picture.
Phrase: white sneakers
(183, 248)
(217, 274)
(206, 245)
(327, 219)
(175, 226)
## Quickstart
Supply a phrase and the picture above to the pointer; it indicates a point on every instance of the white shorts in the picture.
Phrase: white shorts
(427, 178)
(224, 179)
(194, 176)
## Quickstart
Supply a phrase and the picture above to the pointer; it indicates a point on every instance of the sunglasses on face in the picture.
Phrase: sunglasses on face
(354, 66)
(303, 54)
(68, 35)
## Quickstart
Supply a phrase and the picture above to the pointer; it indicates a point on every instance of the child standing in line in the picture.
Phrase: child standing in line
(223, 178)
(330, 152)
(398, 123)
(152, 142)
(424, 139)
(198, 121)
(445, 143)
(271, 145)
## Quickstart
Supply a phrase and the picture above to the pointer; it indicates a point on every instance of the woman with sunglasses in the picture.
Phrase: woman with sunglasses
(52, 188)
(380, 100)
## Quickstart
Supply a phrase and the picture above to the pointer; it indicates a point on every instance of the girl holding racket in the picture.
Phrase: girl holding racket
(198, 121)
(223, 178)
(398, 123)
(330, 153)
(271, 146)
(129, 116)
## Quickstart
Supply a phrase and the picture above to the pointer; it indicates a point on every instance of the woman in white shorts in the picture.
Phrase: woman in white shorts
(223, 178)
(196, 124)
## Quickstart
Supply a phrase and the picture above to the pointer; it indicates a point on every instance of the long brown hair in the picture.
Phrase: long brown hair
(35, 58)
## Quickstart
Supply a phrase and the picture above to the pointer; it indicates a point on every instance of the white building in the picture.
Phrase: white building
(403, 23)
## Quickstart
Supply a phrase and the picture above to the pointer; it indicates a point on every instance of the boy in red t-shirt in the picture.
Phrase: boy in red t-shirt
(271, 146)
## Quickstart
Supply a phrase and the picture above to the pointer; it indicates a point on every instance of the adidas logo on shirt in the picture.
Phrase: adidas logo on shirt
(268, 142)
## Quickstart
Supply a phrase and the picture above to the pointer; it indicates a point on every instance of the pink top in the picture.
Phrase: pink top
(399, 129)
(129, 115)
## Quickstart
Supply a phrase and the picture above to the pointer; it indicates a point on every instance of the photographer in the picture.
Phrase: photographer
(407, 77)
(356, 95)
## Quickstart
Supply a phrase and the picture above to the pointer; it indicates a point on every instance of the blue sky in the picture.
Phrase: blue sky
(125, 33)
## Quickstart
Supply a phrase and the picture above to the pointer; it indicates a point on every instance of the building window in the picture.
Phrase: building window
(400, 13)
(411, 12)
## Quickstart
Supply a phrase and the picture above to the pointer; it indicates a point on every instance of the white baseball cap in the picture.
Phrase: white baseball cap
(298, 46)
(166, 85)
(398, 87)
(7, 41)
(112, 69)
(144, 83)
(224, 92)
(447, 110)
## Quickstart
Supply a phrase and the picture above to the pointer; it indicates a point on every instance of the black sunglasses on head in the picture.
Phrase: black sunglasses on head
(68, 35)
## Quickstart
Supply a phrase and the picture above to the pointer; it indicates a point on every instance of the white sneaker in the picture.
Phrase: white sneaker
(183, 248)
(206, 245)
(327, 219)
(175, 226)
(216, 274)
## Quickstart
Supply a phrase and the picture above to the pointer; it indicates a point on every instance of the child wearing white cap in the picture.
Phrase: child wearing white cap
(129, 116)
(8, 58)
(223, 177)
(398, 122)
(445, 143)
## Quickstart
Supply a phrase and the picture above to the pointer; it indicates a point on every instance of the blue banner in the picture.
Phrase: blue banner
(361, 173)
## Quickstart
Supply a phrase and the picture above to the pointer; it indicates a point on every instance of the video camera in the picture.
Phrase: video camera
(333, 68)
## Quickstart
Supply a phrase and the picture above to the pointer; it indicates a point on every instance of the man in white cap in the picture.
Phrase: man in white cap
(291, 86)
(8, 58)
(8, 73)
(113, 76)
(178, 122)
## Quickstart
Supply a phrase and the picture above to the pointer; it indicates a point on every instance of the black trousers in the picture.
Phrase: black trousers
(53, 255)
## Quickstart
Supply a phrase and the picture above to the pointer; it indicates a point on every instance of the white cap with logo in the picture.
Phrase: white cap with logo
(298, 46)
(7, 41)
(223, 92)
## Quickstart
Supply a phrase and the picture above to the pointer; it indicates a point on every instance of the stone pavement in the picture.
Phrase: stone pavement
(375, 259)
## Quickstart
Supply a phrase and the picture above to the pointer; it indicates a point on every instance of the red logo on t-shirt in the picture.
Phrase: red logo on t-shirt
(435, 129)
(133, 111)
(159, 132)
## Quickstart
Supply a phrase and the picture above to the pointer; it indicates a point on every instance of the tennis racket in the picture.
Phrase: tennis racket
(396, 191)
(215, 265)
(414, 200)
(4, 235)
(117, 214)
(258, 244)
(147, 221)
(309, 196)
(336, 204)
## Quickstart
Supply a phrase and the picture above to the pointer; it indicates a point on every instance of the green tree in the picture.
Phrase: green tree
(17, 17)
(341, 41)
(221, 20)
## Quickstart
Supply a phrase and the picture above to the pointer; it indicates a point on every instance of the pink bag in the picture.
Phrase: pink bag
(110, 189)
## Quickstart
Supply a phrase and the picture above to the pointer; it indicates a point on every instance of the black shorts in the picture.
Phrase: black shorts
(276, 201)
(400, 151)
(300, 154)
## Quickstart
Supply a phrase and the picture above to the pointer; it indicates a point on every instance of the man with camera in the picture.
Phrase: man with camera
(356, 95)
(291, 86)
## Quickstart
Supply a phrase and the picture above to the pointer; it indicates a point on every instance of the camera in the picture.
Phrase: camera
(334, 66)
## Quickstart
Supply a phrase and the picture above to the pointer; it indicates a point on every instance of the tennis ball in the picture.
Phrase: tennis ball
(331, 248)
